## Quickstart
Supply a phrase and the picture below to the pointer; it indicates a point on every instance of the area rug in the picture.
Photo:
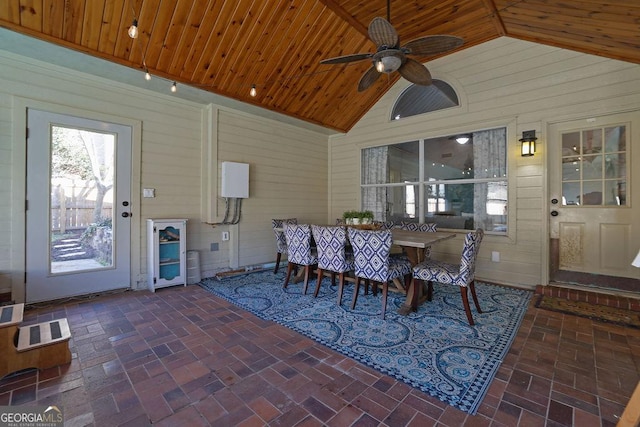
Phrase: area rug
(434, 350)
(597, 312)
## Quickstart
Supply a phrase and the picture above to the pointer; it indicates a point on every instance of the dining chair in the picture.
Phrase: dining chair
(333, 256)
(384, 225)
(372, 261)
(462, 275)
(300, 252)
(281, 241)
(427, 227)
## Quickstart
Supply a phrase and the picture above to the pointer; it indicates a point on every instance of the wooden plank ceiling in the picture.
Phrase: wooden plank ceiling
(226, 46)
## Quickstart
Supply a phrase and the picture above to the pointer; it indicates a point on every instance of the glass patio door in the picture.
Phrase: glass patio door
(78, 209)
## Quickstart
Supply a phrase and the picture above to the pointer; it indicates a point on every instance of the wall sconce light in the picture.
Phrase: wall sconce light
(133, 29)
(528, 143)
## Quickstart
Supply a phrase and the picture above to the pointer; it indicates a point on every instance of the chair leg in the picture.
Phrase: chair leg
(417, 283)
(340, 288)
(374, 286)
(315, 294)
(275, 270)
(430, 291)
(385, 289)
(355, 293)
(289, 270)
(465, 302)
(307, 269)
(472, 286)
(333, 278)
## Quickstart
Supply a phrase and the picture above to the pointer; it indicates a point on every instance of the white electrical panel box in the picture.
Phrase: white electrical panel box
(235, 180)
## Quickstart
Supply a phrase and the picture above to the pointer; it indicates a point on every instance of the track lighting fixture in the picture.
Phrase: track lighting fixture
(174, 87)
(133, 29)
(253, 91)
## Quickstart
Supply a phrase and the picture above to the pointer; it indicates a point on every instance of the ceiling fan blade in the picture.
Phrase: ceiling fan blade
(431, 45)
(415, 72)
(382, 33)
(368, 79)
(347, 58)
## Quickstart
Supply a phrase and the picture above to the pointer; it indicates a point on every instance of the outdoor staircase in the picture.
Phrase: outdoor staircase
(68, 249)
(43, 345)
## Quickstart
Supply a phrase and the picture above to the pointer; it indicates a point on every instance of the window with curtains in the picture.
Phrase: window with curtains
(455, 185)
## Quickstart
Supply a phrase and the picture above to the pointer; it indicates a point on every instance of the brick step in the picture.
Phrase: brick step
(43, 334)
(11, 315)
(592, 297)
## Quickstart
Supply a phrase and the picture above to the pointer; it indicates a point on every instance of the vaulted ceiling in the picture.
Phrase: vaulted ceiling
(226, 46)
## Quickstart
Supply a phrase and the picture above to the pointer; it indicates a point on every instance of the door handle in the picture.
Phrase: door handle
(554, 213)
(127, 214)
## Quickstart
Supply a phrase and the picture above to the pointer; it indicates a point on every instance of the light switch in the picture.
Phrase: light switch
(148, 192)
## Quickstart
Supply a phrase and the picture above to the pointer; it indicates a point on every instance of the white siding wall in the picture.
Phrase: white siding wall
(503, 82)
(288, 175)
(287, 178)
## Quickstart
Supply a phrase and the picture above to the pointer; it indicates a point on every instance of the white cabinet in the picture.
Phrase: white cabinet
(166, 252)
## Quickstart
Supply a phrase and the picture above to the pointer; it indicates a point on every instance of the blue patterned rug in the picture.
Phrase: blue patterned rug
(434, 350)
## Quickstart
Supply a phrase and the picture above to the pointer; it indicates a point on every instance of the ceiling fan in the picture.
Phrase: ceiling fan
(390, 56)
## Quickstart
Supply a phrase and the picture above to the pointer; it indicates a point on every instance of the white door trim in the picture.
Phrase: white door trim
(19, 136)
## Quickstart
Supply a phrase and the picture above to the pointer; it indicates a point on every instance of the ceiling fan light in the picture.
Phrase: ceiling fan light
(389, 64)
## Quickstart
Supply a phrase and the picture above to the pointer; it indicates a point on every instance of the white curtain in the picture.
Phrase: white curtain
(489, 153)
(375, 170)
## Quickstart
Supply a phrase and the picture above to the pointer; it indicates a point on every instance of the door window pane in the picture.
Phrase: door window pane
(81, 202)
(594, 167)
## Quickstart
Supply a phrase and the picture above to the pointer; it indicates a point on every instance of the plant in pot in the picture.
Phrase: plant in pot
(351, 217)
(366, 217)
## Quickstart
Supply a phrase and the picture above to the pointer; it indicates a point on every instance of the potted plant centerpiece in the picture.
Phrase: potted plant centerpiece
(357, 217)
(366, 217)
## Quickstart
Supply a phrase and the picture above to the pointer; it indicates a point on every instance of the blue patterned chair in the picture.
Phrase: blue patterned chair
(429, 227)
(281, 241)
(333, 256)
(300, 251)
(384, 225)
(372, 261)
(462, 275)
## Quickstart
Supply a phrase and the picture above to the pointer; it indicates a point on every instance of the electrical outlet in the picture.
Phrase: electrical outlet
(214, 247)
(225, 236)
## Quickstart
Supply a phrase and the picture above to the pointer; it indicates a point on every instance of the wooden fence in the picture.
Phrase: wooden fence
(73, 203)
(74, 218)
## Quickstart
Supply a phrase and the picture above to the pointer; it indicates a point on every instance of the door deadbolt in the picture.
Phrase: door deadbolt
(554, 213)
